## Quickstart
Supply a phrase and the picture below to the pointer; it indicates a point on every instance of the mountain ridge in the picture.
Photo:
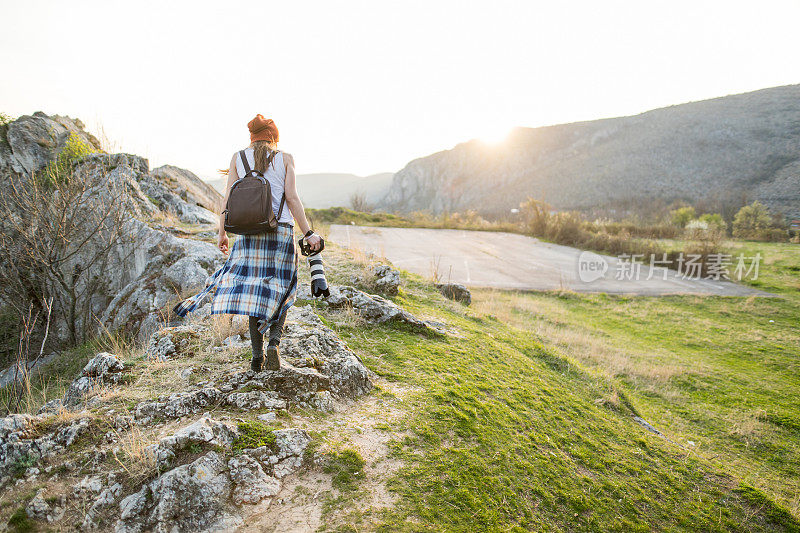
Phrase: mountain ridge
(726, 149)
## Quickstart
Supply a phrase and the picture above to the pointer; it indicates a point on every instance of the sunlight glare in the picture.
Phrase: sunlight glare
(494, 135)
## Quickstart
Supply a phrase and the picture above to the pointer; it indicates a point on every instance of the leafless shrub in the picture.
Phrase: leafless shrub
(60, 233)
(358, 202)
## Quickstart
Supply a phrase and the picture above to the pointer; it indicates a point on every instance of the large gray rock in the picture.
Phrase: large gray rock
(251, 483)
(189, 187)
(203, 431)
(308, 342)
(103, 369)
(179, 404)
(35, 140)
(375, 309)
(149, 281)
(387, 279)
(148, 266)
(455, 291)
(189, 498)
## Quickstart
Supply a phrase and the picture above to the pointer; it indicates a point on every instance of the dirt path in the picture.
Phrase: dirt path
(308, 500)
(511, 261)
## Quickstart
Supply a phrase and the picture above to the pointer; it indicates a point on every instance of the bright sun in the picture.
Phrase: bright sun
(495, 134)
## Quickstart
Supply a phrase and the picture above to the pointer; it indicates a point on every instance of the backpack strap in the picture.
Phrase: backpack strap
(247, 170)
(280, 208)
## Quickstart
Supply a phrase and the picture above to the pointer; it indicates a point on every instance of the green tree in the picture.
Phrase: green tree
(751, 221)
(714, 220)
(682, 216)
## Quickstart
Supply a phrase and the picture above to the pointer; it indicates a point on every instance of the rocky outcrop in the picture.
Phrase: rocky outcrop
(317, 368)
(455, 291)
(188, 498)
(387, 279)
(188, 187)
(307, 342)
(32, 141)
(212, 486)
(104, 368)
(373, 308)
(744, 145)
(149, 266)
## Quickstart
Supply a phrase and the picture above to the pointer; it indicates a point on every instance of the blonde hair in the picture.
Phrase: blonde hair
(261, 153)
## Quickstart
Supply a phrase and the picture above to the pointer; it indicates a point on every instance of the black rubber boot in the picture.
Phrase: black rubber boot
(257, 342)
(273, 362)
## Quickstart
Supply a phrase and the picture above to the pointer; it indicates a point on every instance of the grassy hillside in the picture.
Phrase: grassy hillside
(524, 421)
(719, 376)
(521, 418)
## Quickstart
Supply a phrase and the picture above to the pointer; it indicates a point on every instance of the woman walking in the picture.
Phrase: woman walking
(259, 278)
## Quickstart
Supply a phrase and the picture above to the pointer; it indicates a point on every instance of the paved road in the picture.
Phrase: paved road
(510, 261)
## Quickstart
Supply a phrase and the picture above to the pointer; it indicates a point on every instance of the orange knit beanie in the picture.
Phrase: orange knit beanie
(263, 129)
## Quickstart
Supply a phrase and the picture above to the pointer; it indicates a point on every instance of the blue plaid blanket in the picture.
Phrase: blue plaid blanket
(258, 279)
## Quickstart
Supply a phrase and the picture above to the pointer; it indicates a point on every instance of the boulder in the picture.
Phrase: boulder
(170, 342)
(455, 291)
(375, 309)
(104, 368)
(151, 282)
(251, 483)
(35, 140)
(203, 431)
(188, 498)
(308, 342)
(387, 279)
(189, 187)
(178, 404)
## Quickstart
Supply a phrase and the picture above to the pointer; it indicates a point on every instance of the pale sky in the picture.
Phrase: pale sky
(364, 87)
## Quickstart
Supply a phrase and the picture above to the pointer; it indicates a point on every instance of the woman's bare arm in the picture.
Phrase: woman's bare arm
(293, 200)
(222, 241)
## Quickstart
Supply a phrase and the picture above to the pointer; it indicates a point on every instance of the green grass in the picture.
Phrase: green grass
(347, 468)
(721, 373)
(20, 523)
(253, 434)
(506, 432)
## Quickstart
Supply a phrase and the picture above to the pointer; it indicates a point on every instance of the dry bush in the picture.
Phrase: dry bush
(133, 455)
(358, 202)
(59, 229)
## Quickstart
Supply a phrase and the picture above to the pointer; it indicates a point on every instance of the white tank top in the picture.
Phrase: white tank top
(275, 175)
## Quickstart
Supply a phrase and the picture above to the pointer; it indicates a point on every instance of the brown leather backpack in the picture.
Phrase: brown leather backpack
(249, 207)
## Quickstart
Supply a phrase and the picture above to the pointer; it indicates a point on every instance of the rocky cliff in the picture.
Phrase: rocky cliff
(746, 145)
(153, 265)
